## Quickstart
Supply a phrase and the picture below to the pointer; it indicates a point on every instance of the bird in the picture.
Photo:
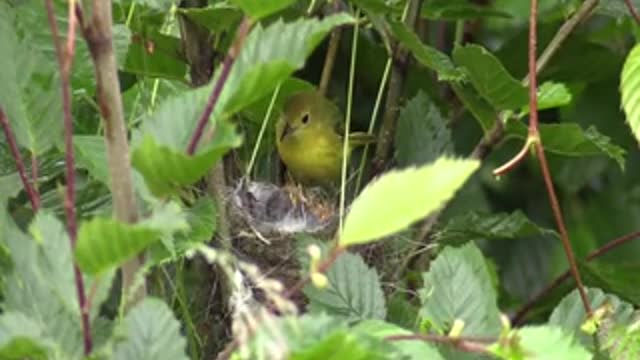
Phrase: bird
(309, 140)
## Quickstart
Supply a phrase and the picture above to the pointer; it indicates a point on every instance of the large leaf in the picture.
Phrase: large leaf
(406, 196)
(353, 291)
(151, 333)
(91, 154)
(426, 55)
(490, 78)
(21, 338)
(474, 226)
(422, 134)
(410, 349)
(630, 89)
(257, 9)
(10, 186)
(29, 88)
(42, 285)
(218, 17)
(569, 314)
(476, 105)
(155, 55)
(616, 278)
(270, 55)
(541, 342)
(458, 287)
(569, 139)
(550, 95)
(105, 243)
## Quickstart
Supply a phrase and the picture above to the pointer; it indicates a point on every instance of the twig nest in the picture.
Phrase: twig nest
(270, 209)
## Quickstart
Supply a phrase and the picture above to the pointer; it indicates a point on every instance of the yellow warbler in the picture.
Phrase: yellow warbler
(309, 139)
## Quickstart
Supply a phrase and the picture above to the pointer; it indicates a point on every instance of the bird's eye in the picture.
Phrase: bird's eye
(305, 118)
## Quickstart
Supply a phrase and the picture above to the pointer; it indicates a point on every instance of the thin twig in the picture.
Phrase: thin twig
(219, 85)
(633, 11)
(32, 192)
(519, 317)
(330, 59)
(473, 345)
(65, 60)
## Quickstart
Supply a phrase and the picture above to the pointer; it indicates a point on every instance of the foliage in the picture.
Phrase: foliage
(433, 251)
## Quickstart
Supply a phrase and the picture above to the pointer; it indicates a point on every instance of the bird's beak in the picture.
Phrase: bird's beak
(286, 131)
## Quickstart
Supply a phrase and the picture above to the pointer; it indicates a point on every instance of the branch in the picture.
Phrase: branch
(330, 58)
(98, 35)
(65, 60)
(219, 85)
(32, 192)
(472, 345)
(633, 11)
(519, 317)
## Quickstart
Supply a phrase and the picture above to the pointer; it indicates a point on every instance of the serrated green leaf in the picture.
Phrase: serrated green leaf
(476, 105)
(475, 226)
(459, 10)
(422, 134)
(409, 349)
(29, 88)
(269, 56)
(490, 78)
(541, 342)
(630, 89)
(616, 8)
(406, 195)
(569, 314)
(91, 154)
(10, 186)
(354, 291)
(550, 95)
(152, 333)
(426, 55)
(21, 338)
(569, 139)
(258, 9)
(458, 287)
(105, 243)
(155, 55)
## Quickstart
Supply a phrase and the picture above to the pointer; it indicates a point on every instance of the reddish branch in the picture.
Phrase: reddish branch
(32, 192)
(65, 60)
(519, 317)
(633, 11)
(219, 85)
(472, 345)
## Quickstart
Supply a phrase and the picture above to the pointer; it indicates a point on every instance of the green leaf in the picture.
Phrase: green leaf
(10, 186)
(152, 333)
(616, 8)
(91, 155)
(378, 7)
(41, 282)
(258, 9)
(409, 349)
(459, 10)
(219, 17)
(476, 105)
(426, 55)
(406, 195)
(569, 139)
(354, 291)
(630, 89)
(21, 338)
(422, 134)
(541, 342)
(502, 226)
(458, 287)
(569, 314)
(107, 243)
(269, 56)
(29, 88)
(550, 95)
(490, 78)
(617, 278)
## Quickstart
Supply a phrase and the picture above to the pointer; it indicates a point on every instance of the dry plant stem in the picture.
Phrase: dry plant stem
(32, 192)
(98, 35)
(520, 315)
(219, 85)
(633, 11)
(471, 345)
(392, 102)
(330, 58)
(65, 59)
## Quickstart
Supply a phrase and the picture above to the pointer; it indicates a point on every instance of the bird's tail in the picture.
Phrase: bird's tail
(361, 138)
